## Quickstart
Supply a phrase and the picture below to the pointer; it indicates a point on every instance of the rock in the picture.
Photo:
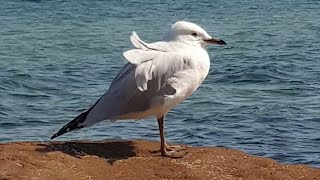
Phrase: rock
(137, 160)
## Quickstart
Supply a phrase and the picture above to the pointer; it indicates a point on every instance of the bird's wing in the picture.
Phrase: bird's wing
(136, 89)
(137, 85)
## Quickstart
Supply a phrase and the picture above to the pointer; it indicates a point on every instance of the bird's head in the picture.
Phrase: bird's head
(191, 34)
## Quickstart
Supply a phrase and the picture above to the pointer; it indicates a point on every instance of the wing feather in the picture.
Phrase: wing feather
(158, 70)
(137, 42)
(137, 56)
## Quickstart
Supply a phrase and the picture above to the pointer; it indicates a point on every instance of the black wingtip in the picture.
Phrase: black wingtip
(54, 136)
(59, 133)
(76, 123)
(69, 127)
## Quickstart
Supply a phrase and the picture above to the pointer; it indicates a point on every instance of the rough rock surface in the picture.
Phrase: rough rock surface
(137, 160)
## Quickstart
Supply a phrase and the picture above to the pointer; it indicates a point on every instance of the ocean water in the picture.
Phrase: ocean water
(261, 95)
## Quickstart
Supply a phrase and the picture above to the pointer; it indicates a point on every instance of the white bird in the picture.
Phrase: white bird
(157, 77)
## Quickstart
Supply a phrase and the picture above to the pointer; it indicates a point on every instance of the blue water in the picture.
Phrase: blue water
(261, 96)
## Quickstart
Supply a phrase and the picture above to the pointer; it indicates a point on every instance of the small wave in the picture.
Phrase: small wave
(6, 125)
(21, 76)
(29, 95)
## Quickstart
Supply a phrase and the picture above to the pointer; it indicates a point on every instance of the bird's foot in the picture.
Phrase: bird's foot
(175, 148)
(172, 154)
(173, 151)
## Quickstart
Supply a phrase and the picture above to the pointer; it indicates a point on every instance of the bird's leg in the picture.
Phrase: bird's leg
(162, 140)
(163, 147)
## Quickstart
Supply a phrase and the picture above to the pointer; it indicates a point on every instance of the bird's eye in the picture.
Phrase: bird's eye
(194, 34)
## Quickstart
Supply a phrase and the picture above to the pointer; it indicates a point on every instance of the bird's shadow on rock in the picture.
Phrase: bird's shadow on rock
(111, 151)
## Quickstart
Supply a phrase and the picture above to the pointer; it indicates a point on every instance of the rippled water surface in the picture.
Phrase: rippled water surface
(261, 96)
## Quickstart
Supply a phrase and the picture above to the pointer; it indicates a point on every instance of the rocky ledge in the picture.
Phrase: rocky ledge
(137, 160)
